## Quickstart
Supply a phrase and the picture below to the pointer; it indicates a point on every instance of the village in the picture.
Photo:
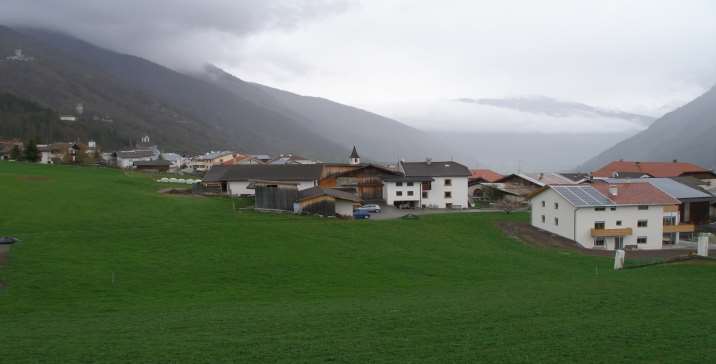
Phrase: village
(625, 205)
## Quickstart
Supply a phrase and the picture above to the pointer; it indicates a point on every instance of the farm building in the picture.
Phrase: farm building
(327, 202)
(366, 180)
(157, 165)
(235, 180)
(275, 195)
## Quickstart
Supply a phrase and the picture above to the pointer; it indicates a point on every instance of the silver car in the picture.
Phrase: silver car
(371, 208)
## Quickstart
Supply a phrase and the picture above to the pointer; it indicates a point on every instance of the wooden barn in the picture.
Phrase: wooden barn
(275, 195)
(365, 180)
(327, 202)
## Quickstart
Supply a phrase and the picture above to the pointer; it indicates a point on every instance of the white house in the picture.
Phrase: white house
(609, 216)
(235, 179)
(428, 184)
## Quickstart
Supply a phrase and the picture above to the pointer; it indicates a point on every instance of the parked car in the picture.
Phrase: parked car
(371, 208)
(361, 213)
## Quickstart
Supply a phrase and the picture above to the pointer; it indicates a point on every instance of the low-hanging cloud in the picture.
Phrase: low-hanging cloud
(403, 58)
(177, 33)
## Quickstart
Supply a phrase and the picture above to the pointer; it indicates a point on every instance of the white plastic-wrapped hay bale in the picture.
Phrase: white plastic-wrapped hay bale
(164, 180)
(173, 180)
(181, 180)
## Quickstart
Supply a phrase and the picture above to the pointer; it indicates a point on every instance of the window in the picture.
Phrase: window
(613, 208)
(556, 205)
(598, 241)
(642, 223)
(410, 184)
(399, 184)
(619, 223)
(641, 240)
(448, 194)
(425, 195)
(543, 203)
(556, 221)
(410, 193)
(427, 186)
(643, 207)
(543, 219)
(599, 209)
(599, 225)
(398, 193)
(669, 220)
(448, 182)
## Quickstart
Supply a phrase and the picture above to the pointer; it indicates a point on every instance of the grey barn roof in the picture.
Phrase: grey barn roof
(129, 154)
(671, 187)
(270, 172)
(582, 195)
(435, 169)
(153, 163)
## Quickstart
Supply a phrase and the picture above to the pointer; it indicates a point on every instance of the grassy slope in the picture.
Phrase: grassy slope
(197, 282)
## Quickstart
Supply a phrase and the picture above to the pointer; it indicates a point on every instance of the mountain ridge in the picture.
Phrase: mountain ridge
(193, 112)
(687, 134)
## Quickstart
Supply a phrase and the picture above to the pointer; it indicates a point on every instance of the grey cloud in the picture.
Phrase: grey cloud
(179, 33)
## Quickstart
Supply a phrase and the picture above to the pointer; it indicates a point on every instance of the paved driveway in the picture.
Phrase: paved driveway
(391, 212)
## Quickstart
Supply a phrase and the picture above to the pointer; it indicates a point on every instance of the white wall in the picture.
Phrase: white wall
(238, 188)
(436, 195)
(390, 192)
(565, 213)
(629, 216)
(129, 162)
(344, 208)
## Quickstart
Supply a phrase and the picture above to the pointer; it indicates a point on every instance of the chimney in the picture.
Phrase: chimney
(613, 190)
(675, 161)
(428, 161)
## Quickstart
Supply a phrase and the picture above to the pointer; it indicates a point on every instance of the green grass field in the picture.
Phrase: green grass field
(109, 270)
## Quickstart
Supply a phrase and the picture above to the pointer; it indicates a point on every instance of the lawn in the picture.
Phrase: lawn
(109, 270)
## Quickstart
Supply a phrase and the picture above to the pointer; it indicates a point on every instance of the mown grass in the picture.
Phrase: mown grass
(108, 270)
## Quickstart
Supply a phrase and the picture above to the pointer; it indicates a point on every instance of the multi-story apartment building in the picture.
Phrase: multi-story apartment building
(609, 216)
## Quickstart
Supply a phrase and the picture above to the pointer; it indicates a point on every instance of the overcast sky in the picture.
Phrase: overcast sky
(637, 56)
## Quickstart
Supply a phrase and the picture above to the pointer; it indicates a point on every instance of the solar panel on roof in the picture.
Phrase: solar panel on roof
(599, 197)
(582, 195)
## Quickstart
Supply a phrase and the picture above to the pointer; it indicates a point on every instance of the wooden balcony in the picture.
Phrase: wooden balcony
(603, 233)
(681, 228)
(671, 208)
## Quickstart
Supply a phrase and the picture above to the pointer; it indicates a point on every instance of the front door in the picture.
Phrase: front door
(619, 242)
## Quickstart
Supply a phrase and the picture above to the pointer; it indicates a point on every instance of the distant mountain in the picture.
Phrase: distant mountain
(376, 136)
(687, 134)
(126, 97)
(552, 107)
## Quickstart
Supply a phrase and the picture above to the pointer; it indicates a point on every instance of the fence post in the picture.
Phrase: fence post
(619, 259)
(703, 245)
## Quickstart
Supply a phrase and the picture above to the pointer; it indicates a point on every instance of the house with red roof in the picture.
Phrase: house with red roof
(484, 175)
(630, 169)
(610, 216)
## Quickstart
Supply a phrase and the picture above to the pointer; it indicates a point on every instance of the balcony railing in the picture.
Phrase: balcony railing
(680, 228)
(602, 233)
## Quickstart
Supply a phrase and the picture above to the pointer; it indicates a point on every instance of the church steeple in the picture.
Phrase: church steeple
(354, 158)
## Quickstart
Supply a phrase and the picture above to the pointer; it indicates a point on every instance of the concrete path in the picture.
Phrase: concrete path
(390, 212)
